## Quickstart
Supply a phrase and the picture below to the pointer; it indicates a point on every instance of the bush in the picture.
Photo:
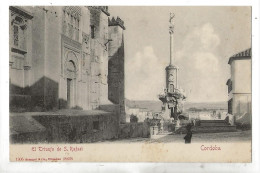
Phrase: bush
(133, 119)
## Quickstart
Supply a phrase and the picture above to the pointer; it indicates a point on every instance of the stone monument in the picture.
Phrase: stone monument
(172, 96)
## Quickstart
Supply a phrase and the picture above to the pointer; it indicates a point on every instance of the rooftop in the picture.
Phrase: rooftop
(246, 54)
(116, 22)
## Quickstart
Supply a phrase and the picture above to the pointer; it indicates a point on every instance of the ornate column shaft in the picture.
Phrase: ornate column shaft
(171, 31)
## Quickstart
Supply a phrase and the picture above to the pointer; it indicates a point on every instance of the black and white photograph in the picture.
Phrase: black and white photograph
(130, 83)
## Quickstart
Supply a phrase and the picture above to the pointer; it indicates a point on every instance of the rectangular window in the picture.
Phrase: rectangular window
(16, 35)
(92, 31)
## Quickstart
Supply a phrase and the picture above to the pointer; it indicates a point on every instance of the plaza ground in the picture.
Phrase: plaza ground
(39, 130)
(224, 137)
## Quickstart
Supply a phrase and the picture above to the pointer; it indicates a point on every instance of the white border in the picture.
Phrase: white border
(6, 166)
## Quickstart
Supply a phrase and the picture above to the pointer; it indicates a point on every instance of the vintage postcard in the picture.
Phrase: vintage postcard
(130, 84)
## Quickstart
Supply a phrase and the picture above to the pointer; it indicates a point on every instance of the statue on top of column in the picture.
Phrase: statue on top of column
(172, 15)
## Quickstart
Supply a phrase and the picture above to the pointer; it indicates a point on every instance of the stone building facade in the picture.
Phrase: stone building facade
(239, 86)
(65, 57)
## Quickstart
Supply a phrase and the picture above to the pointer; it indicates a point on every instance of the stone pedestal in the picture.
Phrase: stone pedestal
(177, 124)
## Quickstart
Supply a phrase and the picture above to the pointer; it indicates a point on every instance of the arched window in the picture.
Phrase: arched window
(19, 32)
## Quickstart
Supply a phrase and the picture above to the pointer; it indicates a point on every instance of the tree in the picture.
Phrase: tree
(133, 118)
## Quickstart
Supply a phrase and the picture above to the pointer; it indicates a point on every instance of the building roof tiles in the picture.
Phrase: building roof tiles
(246, 54)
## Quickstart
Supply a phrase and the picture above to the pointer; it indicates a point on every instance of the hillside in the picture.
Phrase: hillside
(155, 106)
(209, 105)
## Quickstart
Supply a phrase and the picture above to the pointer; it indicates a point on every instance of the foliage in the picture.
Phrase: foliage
(133, 118)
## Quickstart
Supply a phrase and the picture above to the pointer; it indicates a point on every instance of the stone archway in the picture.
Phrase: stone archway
(71, 69)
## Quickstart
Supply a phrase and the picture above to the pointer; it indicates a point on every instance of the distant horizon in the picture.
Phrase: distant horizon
(184, 101)
(156, 106)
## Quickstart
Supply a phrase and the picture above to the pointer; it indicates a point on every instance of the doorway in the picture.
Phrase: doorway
(69, 93)
(71, 82)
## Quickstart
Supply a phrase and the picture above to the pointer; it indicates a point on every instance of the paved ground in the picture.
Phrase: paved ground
(239, 136)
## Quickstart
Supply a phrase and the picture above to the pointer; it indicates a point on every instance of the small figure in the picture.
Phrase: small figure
(188, 136)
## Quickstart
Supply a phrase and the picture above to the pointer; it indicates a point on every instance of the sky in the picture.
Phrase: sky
(204, 39)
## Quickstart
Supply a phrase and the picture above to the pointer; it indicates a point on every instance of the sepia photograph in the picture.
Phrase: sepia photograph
(130, 83)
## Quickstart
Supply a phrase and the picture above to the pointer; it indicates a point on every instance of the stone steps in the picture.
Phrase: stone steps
(207, 129)
(209, 126)
(213, 124)
(213, 129)
(212, 121)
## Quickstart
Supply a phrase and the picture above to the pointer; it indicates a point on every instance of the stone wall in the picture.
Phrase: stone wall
(46, 80)
(57, 128)
(38, 54)
(52, 58)
(71, 129)
(116, 74)
(98, 64)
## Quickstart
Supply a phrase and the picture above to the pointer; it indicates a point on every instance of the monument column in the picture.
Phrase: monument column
(171, 69)
(172, 96)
